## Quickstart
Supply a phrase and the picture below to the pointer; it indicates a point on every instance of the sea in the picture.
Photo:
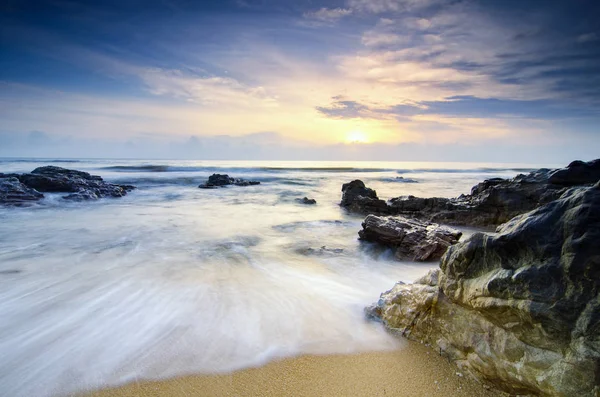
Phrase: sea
(173, 280)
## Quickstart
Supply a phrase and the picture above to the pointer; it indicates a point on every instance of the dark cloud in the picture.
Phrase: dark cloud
(341, 109)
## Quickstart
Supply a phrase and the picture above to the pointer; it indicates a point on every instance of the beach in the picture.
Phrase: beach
(413, 370)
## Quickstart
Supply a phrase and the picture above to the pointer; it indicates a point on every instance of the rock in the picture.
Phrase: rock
(411, 239)
(356, 197)
(306, 201)
(13, 192)
(320, 251)
(221, 180)
(576, 173)
(81, 185)
(490, 203)
(405, 180)
(519, 309)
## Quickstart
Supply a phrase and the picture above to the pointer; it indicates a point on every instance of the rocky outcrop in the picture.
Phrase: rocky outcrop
(409, 238)
(306, 200)
(222, 180)
(519, 309)
(358, 198)
(576, 173)
(13, 192)
(50, 179)
(491, 202)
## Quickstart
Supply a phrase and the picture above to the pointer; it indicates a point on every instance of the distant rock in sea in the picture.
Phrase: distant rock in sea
(306, 200)
(356, 197)
(409, 238)
(519, 309)
(222, 180)
(50, 179)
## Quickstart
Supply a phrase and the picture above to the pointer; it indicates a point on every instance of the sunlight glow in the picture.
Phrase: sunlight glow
(357, 137)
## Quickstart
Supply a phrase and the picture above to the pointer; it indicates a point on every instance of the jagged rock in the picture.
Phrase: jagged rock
(519, 309)
(410, 238)
(306, 200)
(221, 180)
(491, 202)
(356, 197)
(81, 185)
(577, 173)
(13, 192)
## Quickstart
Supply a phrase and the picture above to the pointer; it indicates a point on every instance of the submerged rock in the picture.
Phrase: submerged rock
(221, 180)
(519, 309)
(306, 200)
(13, 192)
(319, 251)
(409, 238)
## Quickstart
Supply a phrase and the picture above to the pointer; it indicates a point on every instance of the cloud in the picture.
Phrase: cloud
(386, 6)
(588, 37)
(376, 39)
(328, 14)
(205, 90)
(344, 109)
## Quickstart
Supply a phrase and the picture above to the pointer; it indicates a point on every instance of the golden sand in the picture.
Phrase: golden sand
(414, 370)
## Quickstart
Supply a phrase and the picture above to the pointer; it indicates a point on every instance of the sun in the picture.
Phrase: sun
(357, 137)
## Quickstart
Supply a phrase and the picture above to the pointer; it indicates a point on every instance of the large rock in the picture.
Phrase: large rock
(81, 185)
(13, 192)
(519, 309)
(409, 238)
(576, 173)
(221, 180)
(490, 203)
(356, 197)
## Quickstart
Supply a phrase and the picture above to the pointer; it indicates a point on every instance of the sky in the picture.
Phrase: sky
(403, 80)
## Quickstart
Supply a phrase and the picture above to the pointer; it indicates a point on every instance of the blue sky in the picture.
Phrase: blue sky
(259, 79)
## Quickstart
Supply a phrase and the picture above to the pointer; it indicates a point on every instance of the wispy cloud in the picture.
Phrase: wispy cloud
(328, 14)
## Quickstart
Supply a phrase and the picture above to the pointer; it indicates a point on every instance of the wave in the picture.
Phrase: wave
(138, 168)
(464, 171)
(169, 168)
(196, 180)
(35, 160)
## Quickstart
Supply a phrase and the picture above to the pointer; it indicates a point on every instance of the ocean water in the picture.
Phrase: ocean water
(173, 280)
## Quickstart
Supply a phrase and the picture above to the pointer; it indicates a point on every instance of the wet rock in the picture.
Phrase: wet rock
(319, 251)
(490, 203)
(81, 185)
(405, 180)
(519, 309)
(13, 192)
(409, 238)
(356, 197)
(221, 180)
(306, 200)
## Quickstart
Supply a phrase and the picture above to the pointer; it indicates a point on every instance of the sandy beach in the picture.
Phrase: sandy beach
(413, 370)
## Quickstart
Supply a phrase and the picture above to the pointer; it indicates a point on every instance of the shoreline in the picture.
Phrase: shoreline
(413, 370)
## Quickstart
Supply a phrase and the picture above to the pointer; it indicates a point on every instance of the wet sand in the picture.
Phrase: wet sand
(413, 370)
